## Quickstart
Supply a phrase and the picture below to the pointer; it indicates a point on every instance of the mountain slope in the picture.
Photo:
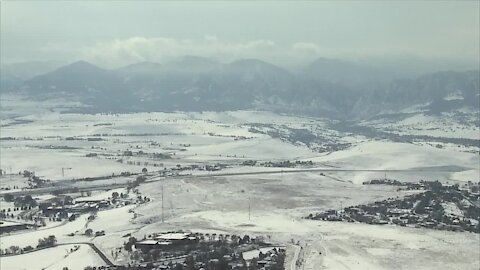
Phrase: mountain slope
(342, 72)
(433, 93)
(195, 83)
(77, 78)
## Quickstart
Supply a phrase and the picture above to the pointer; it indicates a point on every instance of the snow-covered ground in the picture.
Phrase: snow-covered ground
(61, 231)
(248, 255)
(43, 146)
(443, 164)
(459, 124)
(337, 245)
(55, 258)
(45, 141)
(278, 205)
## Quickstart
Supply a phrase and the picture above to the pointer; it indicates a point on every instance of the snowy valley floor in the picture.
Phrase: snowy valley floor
(47, 142)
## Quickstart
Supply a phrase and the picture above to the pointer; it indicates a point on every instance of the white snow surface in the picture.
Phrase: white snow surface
(279, 202)
(55, 258)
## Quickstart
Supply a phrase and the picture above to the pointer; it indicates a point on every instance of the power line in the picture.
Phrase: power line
(249, 207)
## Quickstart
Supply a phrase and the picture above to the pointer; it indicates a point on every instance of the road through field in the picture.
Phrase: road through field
(69, 185)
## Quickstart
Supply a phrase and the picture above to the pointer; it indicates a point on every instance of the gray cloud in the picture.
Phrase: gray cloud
(160, 49)
(113, 33)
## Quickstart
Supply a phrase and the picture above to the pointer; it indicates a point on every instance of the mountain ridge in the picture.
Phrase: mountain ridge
(196, 83)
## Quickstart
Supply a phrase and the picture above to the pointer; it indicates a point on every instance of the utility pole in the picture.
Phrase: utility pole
(162, 203)
(341, 206)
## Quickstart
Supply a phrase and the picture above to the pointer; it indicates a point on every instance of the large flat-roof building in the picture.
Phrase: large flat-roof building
(165, 240)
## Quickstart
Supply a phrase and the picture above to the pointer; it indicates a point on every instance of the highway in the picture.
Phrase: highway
(69, 185)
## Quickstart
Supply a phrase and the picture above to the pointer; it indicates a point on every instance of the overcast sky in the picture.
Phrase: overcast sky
(114, 33)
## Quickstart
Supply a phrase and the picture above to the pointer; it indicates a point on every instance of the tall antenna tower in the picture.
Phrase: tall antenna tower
(249, 207)
(63, 172)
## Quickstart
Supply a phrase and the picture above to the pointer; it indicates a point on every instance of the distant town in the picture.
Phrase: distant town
(434, 205)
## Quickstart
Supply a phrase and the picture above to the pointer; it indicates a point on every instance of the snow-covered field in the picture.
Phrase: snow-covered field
(45, 141)
(61, 231)
(426, 162)
(459, 124)
(55, 258)
(42, 145)
(54, 141)
(278, 205)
